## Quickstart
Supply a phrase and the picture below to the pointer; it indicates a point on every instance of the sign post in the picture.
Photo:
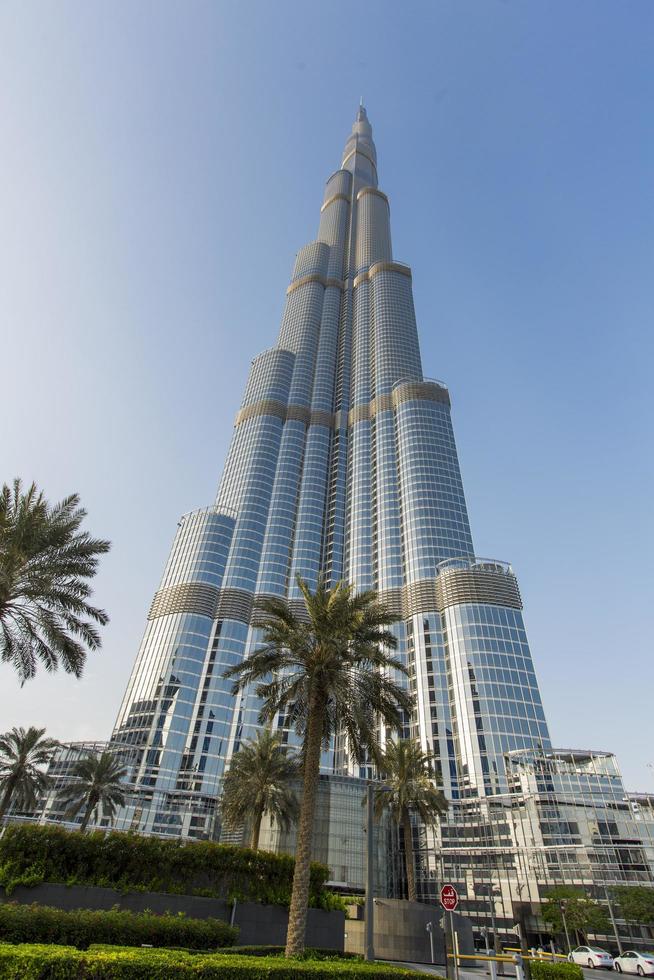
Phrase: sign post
(449, 901)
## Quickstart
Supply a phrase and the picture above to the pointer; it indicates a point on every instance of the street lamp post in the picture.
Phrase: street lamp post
(491, 962)
(430, 929)
(370, 868)
(563, 906)
(490, 891)
(613, 922)
(370, 874)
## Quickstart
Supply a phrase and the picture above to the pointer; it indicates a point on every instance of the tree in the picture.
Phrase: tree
(636, 903)
(409, 788)
(259, 781)
(582, 914)
(96, 786)
(23, 756)
(45, 562)
(329, 671)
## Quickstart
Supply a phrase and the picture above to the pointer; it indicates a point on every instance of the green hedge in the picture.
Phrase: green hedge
(542, 970)
(30, 855)
(64, 963)
(309, 953)
(82, 928)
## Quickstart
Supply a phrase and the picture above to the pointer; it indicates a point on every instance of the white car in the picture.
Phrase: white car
(591, 956)
(633, 962)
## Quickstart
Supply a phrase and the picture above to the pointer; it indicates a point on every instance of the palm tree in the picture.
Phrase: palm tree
(96, 785)
(409, 788)
(23, 754)
(328, 671)
(259, 781)
(45, 561)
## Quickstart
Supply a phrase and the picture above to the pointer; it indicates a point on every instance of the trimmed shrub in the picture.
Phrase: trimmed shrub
(30, 855)
(64, 963)
(542, 970)
(310, 954)
(81, 928)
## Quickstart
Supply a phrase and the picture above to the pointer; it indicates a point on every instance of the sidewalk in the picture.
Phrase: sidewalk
(465, 973)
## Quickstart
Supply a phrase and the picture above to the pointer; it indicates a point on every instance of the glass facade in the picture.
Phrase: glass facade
(563, 819)
(343, 464)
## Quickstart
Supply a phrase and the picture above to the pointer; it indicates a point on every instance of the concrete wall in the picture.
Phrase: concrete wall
(258, 924)
(400, 932)
(266, 924)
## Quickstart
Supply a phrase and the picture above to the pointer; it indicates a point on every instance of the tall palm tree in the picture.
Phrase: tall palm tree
(96, 786)
(259, 781)
(328, 671)
(45, 562)
(409, 788)
(23, 756)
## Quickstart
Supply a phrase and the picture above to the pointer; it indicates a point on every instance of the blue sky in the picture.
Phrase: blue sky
(162, 163)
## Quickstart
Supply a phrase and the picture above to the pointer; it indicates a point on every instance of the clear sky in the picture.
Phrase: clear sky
(160, 165)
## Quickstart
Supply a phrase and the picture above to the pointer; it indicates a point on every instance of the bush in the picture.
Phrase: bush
(63, 963)
(312, 954)
(332, 902)
(542, 970)
(30, 855)
(81, 928)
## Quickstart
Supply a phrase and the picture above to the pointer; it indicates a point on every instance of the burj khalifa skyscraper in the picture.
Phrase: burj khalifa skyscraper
(342, 465)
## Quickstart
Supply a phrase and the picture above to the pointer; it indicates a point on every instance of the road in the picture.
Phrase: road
(480, 972)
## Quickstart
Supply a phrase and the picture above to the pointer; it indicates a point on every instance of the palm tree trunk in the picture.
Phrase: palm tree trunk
(87, 815)
(408, 856)
(5, 802)
(256, 830)
(297, 916)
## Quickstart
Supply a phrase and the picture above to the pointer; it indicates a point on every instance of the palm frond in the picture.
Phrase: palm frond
(45, 564)
(409, 784)
(97, 781)
(24, 755)
(339, 657)
(260, 781)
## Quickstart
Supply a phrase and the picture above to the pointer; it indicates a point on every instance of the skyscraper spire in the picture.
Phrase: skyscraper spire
(360, 155)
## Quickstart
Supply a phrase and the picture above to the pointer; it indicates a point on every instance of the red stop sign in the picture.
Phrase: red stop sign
(449, 898)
